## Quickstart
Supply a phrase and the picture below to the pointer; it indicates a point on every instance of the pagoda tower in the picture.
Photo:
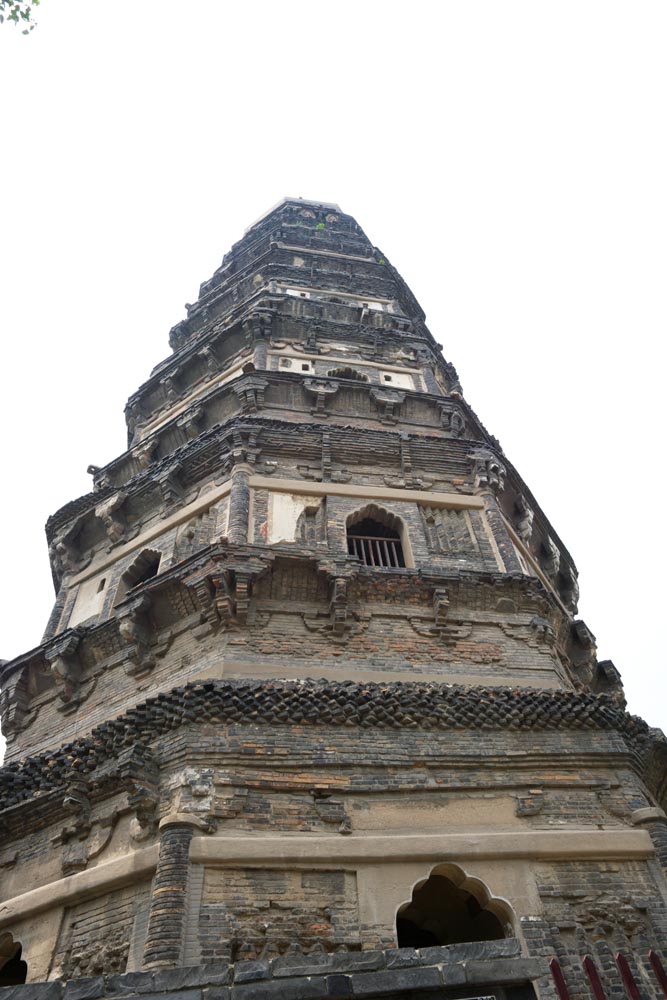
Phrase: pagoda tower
(313, 715)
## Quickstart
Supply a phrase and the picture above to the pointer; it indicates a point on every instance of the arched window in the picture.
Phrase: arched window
(349, 373)
(13, 970)
(450, 908)
(374, 536)
(144, 567)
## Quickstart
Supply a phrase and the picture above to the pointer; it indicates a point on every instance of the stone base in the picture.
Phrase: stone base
(460, 970)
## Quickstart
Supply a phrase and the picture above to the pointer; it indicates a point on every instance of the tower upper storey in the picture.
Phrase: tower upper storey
(308, 262)
(298, 248)
(305, 490)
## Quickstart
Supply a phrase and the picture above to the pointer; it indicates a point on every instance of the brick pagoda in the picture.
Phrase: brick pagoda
(313, 715)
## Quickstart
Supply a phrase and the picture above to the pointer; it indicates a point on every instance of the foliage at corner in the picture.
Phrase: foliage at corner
(20, 12)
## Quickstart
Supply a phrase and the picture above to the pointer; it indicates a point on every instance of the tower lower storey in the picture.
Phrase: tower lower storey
(330, 838)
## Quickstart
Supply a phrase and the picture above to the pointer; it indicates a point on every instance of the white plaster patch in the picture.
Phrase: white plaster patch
(220, 513)
(284, 512)
(89, 600)
(397, 379)
(297, 364)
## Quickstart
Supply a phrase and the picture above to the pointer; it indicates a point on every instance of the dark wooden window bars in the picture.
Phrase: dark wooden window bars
(384, 552)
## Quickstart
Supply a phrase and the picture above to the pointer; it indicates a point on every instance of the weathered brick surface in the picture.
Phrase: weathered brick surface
(312, 702)
(248, 913)
(598, 909)
(164, 941)
(335, 975)
(454, 691)
(95, 935)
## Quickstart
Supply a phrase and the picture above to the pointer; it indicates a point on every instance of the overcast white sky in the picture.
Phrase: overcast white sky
(508, 157)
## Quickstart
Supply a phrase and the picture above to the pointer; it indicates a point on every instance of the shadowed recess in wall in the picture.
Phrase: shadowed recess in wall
(374, 536)
(13, 970)
(349, 373)
(144, 568)
(450, 908)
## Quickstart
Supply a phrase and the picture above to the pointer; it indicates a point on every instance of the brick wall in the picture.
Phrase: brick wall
(260, 913)
(96, 935)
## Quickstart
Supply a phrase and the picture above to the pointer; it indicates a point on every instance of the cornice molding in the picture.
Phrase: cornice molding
(397, 706)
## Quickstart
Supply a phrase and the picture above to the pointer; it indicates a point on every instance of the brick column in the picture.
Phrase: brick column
(500, 533)
(489, 479)
(429, 381)
(239, 505)
(654, 820)
(260, 354)
(166, 921)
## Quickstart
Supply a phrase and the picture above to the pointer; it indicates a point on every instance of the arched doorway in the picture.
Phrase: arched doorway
(13, 969)
(451, 908)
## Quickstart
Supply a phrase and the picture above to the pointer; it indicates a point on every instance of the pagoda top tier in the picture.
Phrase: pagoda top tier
(316, 206)
(303, 248)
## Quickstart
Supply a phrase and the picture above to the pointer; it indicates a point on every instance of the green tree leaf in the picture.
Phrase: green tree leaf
(18, 10)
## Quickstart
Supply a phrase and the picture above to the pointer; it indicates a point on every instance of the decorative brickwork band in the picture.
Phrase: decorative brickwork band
(164, 941)
(310, 702)
(239, 505)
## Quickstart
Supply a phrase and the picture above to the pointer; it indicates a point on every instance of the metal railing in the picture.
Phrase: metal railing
(386, 552)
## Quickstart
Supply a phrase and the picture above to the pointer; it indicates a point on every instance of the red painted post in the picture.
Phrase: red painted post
(659, 970)
(593, 978)
(559, 980)
(627, 977)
